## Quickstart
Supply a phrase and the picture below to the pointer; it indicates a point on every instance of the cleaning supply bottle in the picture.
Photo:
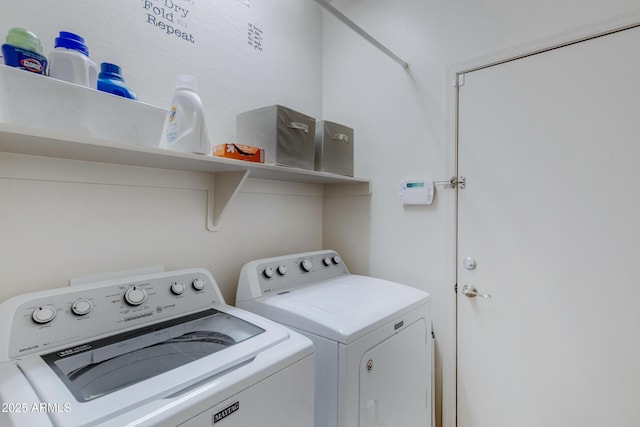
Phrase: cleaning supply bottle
(185, 128)
(24, 50)
(70, 61)
(110, 80)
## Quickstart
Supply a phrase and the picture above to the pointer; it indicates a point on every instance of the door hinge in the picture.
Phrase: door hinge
(455, 288)
(460, 81)
(458, 181)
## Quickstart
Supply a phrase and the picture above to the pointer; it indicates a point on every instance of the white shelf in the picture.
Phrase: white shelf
(227, 174)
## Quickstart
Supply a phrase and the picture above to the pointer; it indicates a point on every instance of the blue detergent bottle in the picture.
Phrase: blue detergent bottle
(110, 80)
(70, 61)
(24, 50)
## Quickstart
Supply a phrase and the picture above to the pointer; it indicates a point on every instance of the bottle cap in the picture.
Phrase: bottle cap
(25, 39)
(186, 82)
(72, 41)
(110, 71)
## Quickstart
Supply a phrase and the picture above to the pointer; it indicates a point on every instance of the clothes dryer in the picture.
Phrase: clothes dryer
(373, 339)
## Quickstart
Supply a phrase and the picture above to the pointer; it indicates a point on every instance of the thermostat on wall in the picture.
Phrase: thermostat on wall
(416, 191)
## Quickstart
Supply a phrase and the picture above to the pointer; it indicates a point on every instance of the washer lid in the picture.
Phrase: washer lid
(145, 368)
(342, 309)
(103, 366)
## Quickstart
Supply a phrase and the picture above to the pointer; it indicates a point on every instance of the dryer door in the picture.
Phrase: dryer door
(394, 380)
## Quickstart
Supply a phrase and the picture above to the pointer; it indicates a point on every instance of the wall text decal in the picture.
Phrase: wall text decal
(255, 37)
(170, 16)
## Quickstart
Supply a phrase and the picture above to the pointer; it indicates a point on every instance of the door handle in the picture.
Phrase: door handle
(470, 291)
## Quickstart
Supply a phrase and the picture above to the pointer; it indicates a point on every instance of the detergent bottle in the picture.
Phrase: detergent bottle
(70, 61)
(110, 80)
(24, 50)
(185, 129)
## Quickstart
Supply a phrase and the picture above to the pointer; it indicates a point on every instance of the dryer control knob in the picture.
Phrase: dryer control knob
(282, 269)
(44, 314)
(336, 259)
(306, 265)
(326, 261)
(177, 288)
(135, 296)
(268, 272)
(81, 306)
(198, 284)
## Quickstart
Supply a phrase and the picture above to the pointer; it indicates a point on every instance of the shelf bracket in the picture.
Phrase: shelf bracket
(223, 188)
(368, 37)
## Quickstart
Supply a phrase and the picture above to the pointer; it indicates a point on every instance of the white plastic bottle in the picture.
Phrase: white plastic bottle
(70, 61)
(185, 129)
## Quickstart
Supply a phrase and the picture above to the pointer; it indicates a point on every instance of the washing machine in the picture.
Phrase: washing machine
(373, 339)
(149, 349)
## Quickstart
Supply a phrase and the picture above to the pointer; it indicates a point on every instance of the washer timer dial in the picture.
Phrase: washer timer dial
(81, 306)
(135, 296)
(44, 314)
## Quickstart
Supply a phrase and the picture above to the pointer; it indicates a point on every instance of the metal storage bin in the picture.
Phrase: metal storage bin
(334, 148)
(287, 136)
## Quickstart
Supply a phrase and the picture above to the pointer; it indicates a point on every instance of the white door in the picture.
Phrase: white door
(550, 148)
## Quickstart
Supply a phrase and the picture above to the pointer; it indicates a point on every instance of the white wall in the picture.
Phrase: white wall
(233, 75)
(62, 219)
(402, 121)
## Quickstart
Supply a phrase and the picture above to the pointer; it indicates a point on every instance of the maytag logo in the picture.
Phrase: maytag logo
(74, 350)
(226, 412)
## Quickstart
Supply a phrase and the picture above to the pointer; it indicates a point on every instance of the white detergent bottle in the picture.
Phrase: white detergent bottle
(70, 61)
(185, 129)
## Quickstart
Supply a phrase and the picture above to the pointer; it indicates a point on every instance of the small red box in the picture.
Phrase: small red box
(239, 152)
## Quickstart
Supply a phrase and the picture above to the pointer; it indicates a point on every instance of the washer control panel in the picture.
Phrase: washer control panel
(48, 319)
(277, 275)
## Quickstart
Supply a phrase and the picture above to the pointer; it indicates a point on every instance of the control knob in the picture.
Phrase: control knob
(198, 284)
(268, 272)
(135, 296)
(326, 261)
(81, 306)
(336, 259)
(44, 314)
(177, 288)
(282, 269)
(306, 265)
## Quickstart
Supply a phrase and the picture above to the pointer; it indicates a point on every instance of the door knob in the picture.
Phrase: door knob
(470, 291)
